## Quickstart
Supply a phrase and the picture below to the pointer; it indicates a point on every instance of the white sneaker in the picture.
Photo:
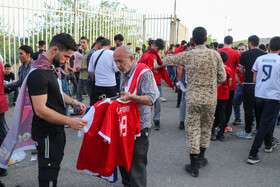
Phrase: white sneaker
(162, 99)
(243, 134)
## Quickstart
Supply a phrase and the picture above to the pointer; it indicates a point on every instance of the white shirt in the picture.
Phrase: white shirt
(105, 69)
(268, 77)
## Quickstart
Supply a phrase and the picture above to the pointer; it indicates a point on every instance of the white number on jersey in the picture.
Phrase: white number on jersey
(123, 126)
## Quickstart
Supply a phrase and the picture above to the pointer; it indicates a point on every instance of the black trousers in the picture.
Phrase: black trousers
(91, 89)
(267, 109)
(249, 106)
(220, 117)
(137, 176)
(2, 128)
(50, 154)
(229, 105)
(106, 91)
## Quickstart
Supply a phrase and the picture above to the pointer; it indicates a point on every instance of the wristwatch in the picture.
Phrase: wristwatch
(73, 102)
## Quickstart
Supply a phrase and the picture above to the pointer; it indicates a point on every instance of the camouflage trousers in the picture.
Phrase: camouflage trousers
(199, 122)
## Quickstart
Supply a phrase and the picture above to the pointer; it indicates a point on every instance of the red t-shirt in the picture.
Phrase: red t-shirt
(120, 128)
(93, 147)
(232, 62)
(223, 89)
(110, 140)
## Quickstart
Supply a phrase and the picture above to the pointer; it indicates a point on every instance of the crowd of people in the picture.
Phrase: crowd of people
(210, 81)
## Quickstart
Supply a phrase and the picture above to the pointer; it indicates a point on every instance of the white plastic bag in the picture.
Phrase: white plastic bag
(17, 157)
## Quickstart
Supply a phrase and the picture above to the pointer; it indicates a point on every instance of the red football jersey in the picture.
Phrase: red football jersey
(120, 128)
(223, 89)
(94, 149)
(232, 62)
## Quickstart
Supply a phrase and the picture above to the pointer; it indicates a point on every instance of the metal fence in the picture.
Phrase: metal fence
(28, 21)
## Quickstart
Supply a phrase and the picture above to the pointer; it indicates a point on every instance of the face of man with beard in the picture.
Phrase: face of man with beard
(123, 62)
(61, 56)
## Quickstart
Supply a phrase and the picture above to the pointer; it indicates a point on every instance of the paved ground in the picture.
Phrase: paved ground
(167, 157)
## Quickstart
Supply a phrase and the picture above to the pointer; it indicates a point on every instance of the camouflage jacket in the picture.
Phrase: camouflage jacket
(204, 71)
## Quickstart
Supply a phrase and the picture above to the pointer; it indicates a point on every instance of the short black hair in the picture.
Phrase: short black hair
(275, 43)
(129, 44)
(224, 56)
(64, 42)
(177, 45)
(105, 42)
(151, 42)
(78, 45)
(183, 42)
(118, 37)
(192, 44)
(159, 43)
(216, 44)
(185, 47)
(188, 44)
(7, 66)
(41, 43)
(220, 46)
(84, 38)
(242, 44)
(199, 35)
(27, 49)
(99, 39)
(137, 49)
(254, 40)
(228, 40)
(262, 47)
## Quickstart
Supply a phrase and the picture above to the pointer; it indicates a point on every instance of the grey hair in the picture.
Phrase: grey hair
(128, 51)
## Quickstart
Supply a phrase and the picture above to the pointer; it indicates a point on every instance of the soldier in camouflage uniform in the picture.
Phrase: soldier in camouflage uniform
(205, 72)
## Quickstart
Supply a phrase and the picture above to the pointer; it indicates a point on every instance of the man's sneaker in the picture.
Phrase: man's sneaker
(213, 137)
(277, 141)
(157, 125)
(162, 99)
(181, 125)
(244, 134)
(3, 172)
(34, 152)
(255, 131)
(268, 149)
(237, 121)
(253, 159)
(228, 129)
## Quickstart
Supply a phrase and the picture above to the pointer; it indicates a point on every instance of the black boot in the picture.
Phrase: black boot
(193, 167)
(157, 125)
(202, 161)
(182, 125)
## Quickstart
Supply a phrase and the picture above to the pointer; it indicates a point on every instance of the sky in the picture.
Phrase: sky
(243, 17)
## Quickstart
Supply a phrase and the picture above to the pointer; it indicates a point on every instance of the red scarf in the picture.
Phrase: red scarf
(146, 59)
(179, 49)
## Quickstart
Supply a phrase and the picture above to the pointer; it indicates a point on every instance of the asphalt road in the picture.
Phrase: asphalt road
(167, 157)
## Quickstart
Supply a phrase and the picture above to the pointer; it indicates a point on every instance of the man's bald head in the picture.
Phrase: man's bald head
(123, 57)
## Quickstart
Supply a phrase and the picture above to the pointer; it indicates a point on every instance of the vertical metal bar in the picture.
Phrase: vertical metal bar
(9, 31)
(4, 37)
(100, 26)
(37, 22)
(42, 20)
(75, 21)
(33, 35)
(47, 23)
(14, 39)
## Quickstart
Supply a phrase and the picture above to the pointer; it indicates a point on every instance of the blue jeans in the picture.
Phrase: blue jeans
(237, 100)
(81, 84)
(65, 89)
(171, 72)
(267, 109)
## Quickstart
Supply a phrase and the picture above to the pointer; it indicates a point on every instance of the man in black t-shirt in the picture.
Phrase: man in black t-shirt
(48, 103)
(10, 77)
(42, 48)
(246, 63)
